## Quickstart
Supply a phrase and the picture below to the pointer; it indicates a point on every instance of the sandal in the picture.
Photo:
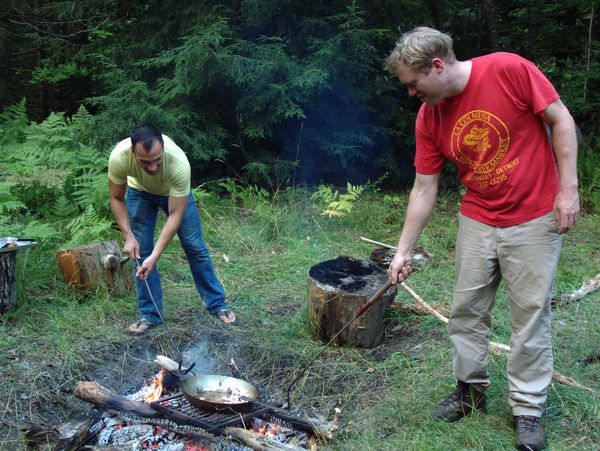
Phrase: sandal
(141, 326)
(225, 315)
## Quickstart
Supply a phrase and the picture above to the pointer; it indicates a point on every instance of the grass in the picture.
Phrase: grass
(262, 249)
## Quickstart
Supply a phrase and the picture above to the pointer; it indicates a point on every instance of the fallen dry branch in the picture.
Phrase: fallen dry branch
(588, 286)
(495, 348)
(367, 240)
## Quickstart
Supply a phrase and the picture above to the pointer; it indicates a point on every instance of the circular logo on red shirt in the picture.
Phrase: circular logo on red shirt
(480, 141)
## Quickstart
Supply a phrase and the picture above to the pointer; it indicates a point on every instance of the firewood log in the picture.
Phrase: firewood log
(69, 435)
(102, 397)
(96, 265)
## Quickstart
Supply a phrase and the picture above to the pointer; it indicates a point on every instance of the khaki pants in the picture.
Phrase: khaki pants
(525, 256)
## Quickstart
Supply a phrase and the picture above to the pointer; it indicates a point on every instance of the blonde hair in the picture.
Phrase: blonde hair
(417, 48)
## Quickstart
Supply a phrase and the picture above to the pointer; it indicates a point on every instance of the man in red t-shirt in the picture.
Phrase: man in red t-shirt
(489, 116)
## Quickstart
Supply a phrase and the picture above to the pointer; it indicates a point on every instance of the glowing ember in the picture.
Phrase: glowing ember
(279, 431)
(194, 447)
(153, 390)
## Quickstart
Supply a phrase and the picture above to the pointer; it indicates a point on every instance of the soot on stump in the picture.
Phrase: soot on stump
(337, 289)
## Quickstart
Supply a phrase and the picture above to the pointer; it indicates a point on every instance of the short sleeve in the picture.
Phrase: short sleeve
(181, 184)
(428, 159)
(117, 172)
(535, 90)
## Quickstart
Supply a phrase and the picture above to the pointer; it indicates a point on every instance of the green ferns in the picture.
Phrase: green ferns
(332, 203)
(49, 175)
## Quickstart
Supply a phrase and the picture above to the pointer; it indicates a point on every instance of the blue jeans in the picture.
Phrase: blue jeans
(143, 210)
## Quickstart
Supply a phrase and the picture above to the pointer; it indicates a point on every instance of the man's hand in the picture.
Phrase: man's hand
(143, 271)
(566, 209)
(399, 269)
(132, 248)
(564, 144)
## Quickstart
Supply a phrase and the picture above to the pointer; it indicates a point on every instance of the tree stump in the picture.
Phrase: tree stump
(8, 270)
(96, 265)
(337, 289)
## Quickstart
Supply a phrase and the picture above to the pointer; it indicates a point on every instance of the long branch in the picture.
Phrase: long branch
(495, 348)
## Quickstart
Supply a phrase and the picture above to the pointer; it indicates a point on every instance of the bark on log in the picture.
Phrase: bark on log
(96, 265)
(8, 276)
(336, 291)
(102, 397)
(64, 436)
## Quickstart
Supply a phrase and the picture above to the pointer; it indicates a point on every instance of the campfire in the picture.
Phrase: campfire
(159, 416)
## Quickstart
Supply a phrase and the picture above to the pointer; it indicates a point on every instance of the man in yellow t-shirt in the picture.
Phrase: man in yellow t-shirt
(148, 171)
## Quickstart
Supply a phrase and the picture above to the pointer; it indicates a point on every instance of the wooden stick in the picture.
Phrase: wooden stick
(415, 308)
(494, 348)
(377, 243)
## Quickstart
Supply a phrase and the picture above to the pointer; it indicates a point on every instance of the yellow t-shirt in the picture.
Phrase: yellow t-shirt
(173, 178)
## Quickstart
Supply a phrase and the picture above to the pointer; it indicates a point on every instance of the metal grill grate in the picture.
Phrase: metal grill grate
(179, 410)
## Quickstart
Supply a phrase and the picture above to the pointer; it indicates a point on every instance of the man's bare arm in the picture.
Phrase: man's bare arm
(420, 207)
(564, 143)
(119, 210)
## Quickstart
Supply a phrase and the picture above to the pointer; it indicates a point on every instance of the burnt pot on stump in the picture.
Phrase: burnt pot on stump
(336, 291)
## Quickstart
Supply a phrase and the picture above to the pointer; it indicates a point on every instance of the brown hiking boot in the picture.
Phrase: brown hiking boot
(463, 400)
(529, 433)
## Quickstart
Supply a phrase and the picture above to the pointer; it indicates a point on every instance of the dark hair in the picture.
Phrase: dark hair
(147, 134)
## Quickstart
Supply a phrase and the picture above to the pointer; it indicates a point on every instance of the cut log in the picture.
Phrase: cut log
(69, 435)
(103, 398)
(96, 265)
(337, 289)
(8, 276)
(8, 270)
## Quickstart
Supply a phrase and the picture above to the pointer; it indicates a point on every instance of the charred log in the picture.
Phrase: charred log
(103, 398)
(337, 290)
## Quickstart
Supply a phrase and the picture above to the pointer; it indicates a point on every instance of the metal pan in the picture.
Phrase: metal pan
(219, 393)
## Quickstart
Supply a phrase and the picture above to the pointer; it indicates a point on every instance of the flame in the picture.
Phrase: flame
(155, 388)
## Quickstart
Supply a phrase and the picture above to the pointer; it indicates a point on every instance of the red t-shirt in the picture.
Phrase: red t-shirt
(493, 131)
